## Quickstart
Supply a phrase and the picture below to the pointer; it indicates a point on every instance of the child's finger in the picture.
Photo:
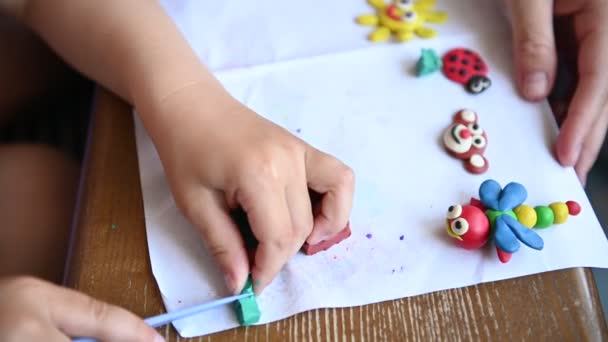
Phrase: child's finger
(592, 146)
(336, 182)
(78, 315)
(534, 46)
(300, 208)
(222, 237)
(589, 98)
(270, 221)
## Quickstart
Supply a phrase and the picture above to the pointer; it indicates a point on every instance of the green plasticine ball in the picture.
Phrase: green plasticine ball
(544, 215)
(428, 63)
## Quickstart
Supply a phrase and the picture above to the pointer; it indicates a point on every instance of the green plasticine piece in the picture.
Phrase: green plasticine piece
(247, 310)
(428, 63)
(544, 217)
(493, 214)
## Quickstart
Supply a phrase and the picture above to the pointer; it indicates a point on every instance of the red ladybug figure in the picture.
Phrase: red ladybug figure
(467, 68)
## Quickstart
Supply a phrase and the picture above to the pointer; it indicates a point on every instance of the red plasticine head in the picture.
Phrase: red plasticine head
(465, 140)
(468, 226)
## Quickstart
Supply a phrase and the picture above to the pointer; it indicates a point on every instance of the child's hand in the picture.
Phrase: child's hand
(219, 155)
(35, 310)
(584, 128)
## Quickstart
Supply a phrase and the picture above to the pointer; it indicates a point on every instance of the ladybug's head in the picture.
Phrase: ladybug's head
(465, 140)
(478, 84)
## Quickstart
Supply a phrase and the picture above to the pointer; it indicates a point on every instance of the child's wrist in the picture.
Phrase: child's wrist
(165, 112)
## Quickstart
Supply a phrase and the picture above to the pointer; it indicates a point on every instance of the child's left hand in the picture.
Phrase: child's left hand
(584, 129)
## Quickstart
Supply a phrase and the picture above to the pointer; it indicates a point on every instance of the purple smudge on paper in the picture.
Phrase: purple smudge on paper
(393, 271)
(298, 130)
(401, 237)
(368, 235)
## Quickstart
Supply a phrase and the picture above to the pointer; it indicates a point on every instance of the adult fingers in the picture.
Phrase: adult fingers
(589, 99)
(270, 220)
(221, 236)
(78, 315)
(534, 46)
(592, 146)
(336, 182)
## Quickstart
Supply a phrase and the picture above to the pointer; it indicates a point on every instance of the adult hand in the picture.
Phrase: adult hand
(584, 129)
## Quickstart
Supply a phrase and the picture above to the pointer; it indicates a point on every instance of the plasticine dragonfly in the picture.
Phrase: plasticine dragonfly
(502, 216)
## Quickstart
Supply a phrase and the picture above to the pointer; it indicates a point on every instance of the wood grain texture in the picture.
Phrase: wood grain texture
(112, 264)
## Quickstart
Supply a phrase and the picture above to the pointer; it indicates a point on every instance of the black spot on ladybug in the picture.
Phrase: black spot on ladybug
(452, 70)
(478, 67)
(467, 52)
(453, 58)
(465, 62)
(462, 72)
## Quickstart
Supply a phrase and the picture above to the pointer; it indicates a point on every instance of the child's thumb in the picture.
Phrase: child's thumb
(534, 46)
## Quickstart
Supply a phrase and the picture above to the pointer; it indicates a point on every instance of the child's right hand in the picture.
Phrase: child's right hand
(219, 155)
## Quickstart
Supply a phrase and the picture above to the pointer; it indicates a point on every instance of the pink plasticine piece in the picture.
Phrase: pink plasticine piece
(326, 244)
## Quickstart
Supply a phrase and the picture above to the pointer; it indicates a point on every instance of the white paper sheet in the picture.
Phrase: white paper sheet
(365, 107)
(235, 33)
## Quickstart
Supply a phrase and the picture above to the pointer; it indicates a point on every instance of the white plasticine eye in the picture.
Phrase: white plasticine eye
(454, 211)
(475, 129)
(468, 115)
(405, 4)
(409, 17)
(477, 87)
(479, 141)
(459, 226)
(452, 140)
(477, 161)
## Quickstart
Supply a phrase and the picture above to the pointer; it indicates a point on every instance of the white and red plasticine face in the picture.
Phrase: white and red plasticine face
(465, 140)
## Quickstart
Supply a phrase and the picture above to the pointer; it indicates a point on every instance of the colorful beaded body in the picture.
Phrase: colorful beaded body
(402, 19)
(501, 216)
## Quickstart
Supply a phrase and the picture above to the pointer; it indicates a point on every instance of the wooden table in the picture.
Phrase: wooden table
(110, 262)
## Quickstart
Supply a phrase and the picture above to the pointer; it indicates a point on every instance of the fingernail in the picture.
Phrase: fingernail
(159, 338)
(535, 85)
(313, 241)
(567, 153)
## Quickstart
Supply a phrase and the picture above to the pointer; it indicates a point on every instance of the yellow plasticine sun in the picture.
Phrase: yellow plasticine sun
(403, 19)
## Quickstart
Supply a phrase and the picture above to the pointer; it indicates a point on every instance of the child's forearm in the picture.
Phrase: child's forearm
(131, 47)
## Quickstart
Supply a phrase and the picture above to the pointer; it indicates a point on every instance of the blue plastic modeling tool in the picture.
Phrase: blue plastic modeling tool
(160, 320)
